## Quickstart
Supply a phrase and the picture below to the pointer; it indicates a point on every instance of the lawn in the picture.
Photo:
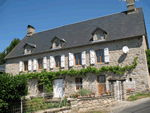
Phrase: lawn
(138, 96)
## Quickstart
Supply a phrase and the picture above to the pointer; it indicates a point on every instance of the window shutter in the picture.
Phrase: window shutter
(71, 59)
(62, 60)
(106, 54)
(34, 64)
(51, 62)
(83, 57)
(44, 62)
(20, 66)
(92, 56)
(29, 64)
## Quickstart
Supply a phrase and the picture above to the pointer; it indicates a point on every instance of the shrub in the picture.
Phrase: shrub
(12, 88)
(84, 92)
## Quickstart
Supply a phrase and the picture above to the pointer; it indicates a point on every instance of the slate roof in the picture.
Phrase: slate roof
(118, 26)
(2, 68)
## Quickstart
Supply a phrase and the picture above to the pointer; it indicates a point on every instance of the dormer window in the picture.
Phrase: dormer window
(28, 48)
(99, 34)
(57, 42)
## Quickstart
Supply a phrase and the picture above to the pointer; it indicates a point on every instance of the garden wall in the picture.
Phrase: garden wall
(86, 104)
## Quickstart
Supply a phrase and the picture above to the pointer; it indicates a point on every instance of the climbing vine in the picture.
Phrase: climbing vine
(48, 77)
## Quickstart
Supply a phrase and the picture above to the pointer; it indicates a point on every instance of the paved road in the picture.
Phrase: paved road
(140, 108)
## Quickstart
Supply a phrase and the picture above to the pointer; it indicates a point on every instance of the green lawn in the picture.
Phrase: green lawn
(138, 96)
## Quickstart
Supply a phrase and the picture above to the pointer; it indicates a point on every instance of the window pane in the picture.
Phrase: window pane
(101, 79)
(102, 55)
(80, 58)
(98, 58)
(76, 59)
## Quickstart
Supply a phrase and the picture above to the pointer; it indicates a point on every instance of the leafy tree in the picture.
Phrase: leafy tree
(8, 49)
(148, 58)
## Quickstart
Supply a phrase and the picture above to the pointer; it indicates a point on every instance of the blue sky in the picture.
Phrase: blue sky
(15, 15)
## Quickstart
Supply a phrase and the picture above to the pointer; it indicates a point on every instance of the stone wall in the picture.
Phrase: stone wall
(92, 103)
(137, 47)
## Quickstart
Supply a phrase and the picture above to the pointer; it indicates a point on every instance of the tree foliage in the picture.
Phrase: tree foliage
(8, 49)
(148, 58)
(12, 88)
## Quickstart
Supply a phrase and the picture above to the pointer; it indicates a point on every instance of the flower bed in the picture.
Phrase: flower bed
(84, 93)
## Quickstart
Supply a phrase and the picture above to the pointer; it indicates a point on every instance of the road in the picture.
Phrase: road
(140, 108)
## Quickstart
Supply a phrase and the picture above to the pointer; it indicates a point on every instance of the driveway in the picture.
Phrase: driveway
(138, 106)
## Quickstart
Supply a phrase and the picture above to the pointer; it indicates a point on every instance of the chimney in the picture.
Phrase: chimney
(30, 30)
(131, 5)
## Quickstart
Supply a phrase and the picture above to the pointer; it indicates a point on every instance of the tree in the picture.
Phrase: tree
(8, 50)
(148, 58)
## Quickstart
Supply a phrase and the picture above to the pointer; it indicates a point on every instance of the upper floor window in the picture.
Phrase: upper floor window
(40, 63)
(100, 56)
(57, 44)
(58, 61)
(78, 59)
(25, 65)
(78, 82)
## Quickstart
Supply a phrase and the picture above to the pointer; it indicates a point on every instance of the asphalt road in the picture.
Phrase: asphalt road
(140, 108)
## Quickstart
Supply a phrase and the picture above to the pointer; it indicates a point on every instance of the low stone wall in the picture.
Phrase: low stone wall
(86, 104)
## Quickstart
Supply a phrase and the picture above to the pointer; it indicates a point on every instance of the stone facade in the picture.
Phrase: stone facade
(137, 47)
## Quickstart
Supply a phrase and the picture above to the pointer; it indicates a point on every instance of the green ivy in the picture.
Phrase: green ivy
(48, 77)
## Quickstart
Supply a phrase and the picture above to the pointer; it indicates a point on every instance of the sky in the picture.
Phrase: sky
(15, 15)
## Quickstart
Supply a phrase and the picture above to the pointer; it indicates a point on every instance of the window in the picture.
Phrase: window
(58, 61)
(98, 36)
(40, 63)
(78, 82)
(40, 86)
(78, 59)
(25, 65)
(57, 44)
(100, 56)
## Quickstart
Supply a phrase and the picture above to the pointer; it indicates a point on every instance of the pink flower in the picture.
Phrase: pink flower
(92, 95)
(100, 95)
(108, 90)
(95, 92)
(75, 93)
(78, 94)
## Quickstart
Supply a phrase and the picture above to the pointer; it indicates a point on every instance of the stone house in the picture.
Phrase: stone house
(96, 42)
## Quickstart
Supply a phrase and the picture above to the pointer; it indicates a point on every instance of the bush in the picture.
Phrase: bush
(12, 88)
(84, 92)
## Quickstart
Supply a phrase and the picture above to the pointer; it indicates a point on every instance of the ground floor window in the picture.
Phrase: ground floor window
(78, 82)
(40, 86)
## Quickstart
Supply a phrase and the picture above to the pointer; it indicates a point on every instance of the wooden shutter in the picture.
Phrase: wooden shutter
(84, 58)
(92, 56)
(44, 62)
(20, 66)
(106, 54)
(71, 59)
(29, 64)
(34, 64)
(51, 62)
(62, 60)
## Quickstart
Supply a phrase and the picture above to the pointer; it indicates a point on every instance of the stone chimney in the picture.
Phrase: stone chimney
(131, 5)
(30, 30)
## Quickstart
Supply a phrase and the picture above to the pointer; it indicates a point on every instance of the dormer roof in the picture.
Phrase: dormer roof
(58, 38)
(98, 28)
(31, 45)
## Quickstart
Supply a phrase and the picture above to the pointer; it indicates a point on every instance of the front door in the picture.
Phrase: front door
(101, 84)
(58, 88)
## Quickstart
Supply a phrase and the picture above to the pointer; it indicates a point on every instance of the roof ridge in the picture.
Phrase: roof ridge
(81, 21)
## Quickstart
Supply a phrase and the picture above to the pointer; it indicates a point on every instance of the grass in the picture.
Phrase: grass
(138, 96)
